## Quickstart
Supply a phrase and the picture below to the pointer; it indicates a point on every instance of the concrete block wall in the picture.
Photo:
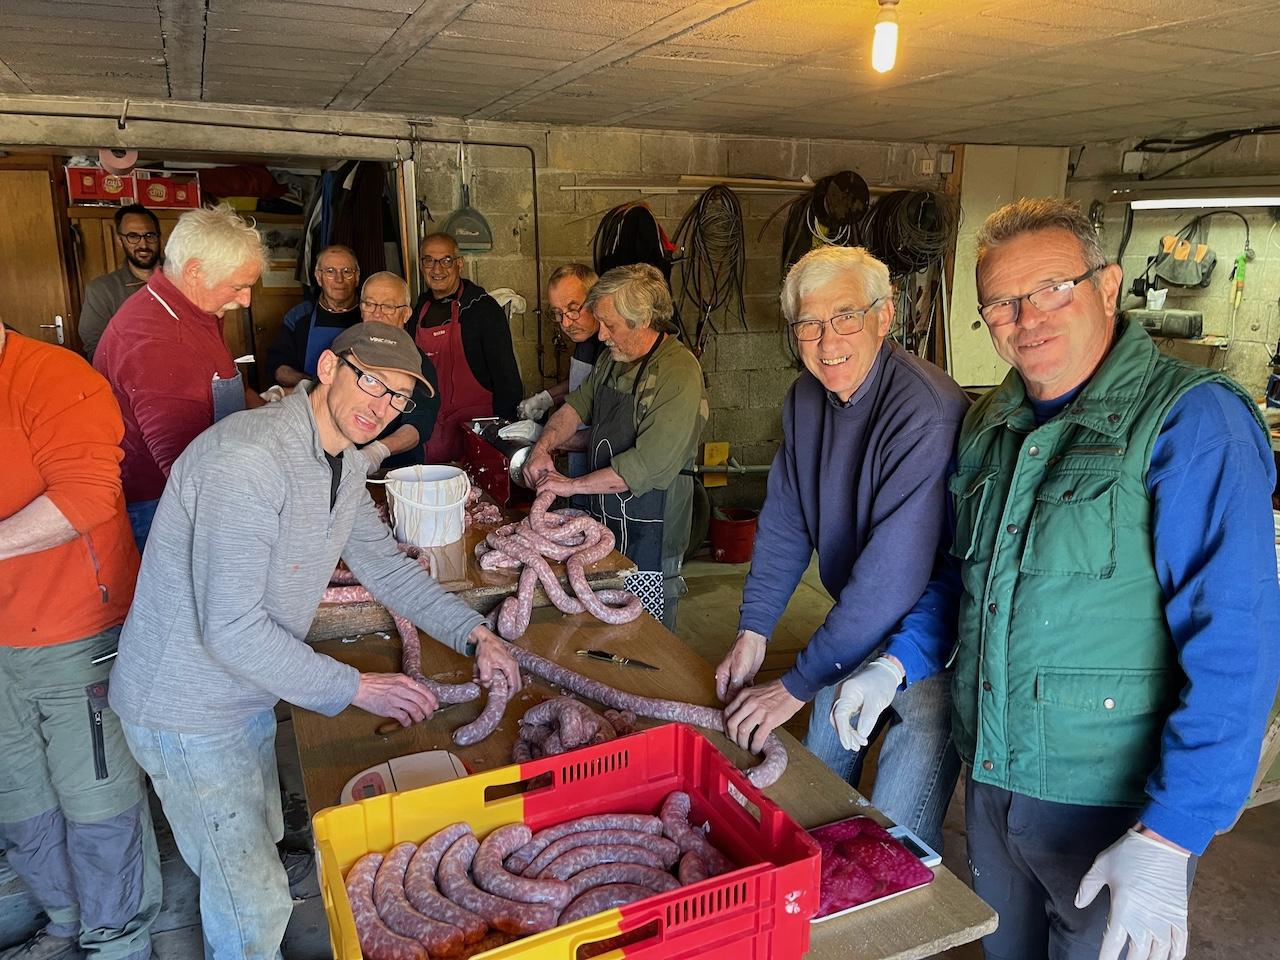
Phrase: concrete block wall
(1256, 325)
(748, 365)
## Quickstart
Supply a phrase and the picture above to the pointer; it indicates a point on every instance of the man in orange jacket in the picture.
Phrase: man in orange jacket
(74, 819)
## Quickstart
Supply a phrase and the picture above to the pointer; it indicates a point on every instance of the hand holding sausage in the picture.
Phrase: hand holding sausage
(394, 695)
(756, 712)
(538, 463)
(491, 655)
(740, 664)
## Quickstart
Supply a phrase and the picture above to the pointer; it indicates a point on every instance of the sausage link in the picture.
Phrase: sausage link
(490, 716)
(377, 940)
(665, 850)
(675, 825)
(659, 881)
(506, 915)
(420, 885)
(575, 861)
(603, 898)
(440, 939)
(639, 822)
(691, 869)
(494, 878)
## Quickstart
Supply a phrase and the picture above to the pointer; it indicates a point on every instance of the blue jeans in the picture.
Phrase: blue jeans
(918, 765)
(1027, 857)
(140, 516)
(221, 794)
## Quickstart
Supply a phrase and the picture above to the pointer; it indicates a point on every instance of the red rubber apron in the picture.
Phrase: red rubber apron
(462, 397)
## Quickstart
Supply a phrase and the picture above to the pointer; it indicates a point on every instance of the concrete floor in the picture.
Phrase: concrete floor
(1233, 903)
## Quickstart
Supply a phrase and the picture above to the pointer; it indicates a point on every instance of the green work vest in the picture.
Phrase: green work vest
(1065, 669)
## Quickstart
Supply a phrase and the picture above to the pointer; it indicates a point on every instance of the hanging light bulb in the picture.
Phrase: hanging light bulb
(884, 45)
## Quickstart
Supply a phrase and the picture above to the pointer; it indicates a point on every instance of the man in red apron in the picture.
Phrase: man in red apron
(645, 407)
(465, 334)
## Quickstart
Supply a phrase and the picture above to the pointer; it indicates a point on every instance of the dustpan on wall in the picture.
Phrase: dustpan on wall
(466, 224)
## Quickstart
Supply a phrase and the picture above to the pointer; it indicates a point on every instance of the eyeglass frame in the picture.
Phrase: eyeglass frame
(409, 403)
(448, 261)
(1068, 286)
(861, 314)
(346, 272)
(383, 309)
(151, 235)
(572, 313)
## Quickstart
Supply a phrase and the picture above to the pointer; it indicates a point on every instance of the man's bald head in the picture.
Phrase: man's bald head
(385, 299)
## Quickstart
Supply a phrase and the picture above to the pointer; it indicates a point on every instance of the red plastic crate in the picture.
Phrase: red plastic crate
(760, 911)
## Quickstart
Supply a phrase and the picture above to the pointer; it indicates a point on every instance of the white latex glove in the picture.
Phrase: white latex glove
(1148, 881)
(374, 453)
(866, 694)
(272, 393)
(535, 407)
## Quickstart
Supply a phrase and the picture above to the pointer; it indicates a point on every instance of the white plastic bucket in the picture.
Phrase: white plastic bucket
(428, 504)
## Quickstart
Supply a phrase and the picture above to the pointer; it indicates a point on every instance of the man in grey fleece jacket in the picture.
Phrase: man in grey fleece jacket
(255, 516)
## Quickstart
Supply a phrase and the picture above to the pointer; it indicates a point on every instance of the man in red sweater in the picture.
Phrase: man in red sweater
(164, 353)
(74, 819)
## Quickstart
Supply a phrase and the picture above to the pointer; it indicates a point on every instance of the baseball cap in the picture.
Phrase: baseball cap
(380, 346)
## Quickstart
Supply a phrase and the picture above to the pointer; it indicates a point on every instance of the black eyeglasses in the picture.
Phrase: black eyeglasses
(570, 312)
(385, 309)
(377, 389)
(1055, 296)
(445, 262)
(133, 237)
(845, 324)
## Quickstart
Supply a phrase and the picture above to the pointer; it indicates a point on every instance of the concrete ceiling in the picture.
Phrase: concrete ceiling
(1003, 71)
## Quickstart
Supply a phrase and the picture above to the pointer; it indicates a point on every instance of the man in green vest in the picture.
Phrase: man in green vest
(1109, 601)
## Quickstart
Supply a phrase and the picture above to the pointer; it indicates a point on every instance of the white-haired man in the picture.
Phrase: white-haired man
(645, 407)
(868, 432)
(164, 354)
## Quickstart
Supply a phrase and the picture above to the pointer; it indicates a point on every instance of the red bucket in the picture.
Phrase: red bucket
(733, 534)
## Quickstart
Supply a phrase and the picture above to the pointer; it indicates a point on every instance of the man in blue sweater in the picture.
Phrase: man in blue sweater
(1110, 604)
(868, 431)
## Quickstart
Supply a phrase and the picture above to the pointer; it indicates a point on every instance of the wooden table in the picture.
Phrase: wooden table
(458, 571)
(922, 923)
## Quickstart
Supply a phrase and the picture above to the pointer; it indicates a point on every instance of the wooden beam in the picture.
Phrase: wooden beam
(670, 26)
(419, 29)
(10, 82)
(183, 34)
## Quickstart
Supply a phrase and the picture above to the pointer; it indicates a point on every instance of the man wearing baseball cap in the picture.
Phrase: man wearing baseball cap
(256, 514)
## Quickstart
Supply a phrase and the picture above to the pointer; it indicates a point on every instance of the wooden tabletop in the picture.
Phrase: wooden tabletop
(458, 571)
(919, 924)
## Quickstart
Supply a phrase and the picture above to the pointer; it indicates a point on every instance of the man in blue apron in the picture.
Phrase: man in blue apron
(567, 293)
(645, 408)
(310, 327)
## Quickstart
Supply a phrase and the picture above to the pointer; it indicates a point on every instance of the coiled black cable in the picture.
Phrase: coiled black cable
(714, 262)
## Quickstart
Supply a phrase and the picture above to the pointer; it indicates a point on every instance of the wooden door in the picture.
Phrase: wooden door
(32, 275)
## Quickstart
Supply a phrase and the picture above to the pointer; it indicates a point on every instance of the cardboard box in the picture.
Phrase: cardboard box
(168, 189)
(95, 185)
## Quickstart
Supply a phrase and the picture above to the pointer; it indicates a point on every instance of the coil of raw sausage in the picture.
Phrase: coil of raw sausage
(578, 859)
(665, 850)
(493, 877)
(603, 898)
(675, 825)
(506, 915)
(440, 939)
(659, 881)
(691, 869)
(490, 716)
(639, 822)
(377, 940)
(420, 885)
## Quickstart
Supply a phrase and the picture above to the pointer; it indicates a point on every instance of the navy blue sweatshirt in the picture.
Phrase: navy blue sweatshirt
(1210, 482)
(864, 484)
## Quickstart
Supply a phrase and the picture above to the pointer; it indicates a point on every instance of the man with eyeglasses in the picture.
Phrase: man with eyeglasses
(1110, 605)
(257, 514)
(138, 239)
(567, 292)
(385, 299)
(310, 327)
(868, 431)
(466, 335)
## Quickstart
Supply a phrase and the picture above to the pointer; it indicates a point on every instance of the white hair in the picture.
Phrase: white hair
(640, 296)
(819, 267)
(218, 238)
(388, 277)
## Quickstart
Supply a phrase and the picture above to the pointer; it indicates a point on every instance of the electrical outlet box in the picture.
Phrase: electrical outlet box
(946, 163)
(1133, 162)
(925, 167)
